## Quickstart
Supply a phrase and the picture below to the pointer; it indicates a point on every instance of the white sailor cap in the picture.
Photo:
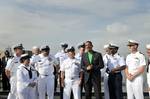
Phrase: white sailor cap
(25, 56)
(148, 46)
(106, 46)
(18, 46)
(132, 42)
(112, 45)
(45, 47)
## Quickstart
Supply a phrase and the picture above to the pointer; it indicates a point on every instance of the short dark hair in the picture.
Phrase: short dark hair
(89, 42)
(23, 59)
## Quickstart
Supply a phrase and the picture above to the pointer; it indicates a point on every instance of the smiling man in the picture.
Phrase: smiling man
(91, 63)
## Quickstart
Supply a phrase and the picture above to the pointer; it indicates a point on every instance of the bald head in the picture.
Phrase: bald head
(35, 50)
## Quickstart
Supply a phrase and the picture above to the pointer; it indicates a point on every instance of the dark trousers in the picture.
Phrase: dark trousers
(82, 87)
(5, 81)
(96, 83)
(115, 86)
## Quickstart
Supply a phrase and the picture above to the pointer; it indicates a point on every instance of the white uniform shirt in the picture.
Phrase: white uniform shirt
(61, 56)
(34, 59)
(23, 79)
(45, 65)
(114, 61)
(134, 61)
(105, 59)
(12, 65)
(78, 56)
(72, 68)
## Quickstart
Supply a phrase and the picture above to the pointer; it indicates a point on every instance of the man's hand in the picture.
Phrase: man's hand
(113, 70)
(130, 77)
(89, 67)
(7, 72)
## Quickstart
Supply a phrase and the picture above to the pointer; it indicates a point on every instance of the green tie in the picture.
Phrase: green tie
(90, 56)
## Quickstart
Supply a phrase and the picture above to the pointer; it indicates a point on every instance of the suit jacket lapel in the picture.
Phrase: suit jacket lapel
(93, 53)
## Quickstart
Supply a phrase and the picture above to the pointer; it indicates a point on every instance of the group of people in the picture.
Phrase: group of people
(35, 76)
(134, 66)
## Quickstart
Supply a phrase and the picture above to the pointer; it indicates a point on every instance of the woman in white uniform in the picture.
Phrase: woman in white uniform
(26, 79)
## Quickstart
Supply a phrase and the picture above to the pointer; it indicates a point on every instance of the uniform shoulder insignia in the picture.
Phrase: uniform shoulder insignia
(141, 53)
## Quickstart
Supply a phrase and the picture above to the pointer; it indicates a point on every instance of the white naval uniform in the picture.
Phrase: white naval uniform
(25, 91)
(135, 87)
(148, 76)
(78, 56)
(33, 61)
(106, 88)
(61, 56)
(115, 80)
(114, 61)
(12, 66)
(46, 76)
(72, 69)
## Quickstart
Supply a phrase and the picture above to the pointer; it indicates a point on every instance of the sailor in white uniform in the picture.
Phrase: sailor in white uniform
(26, 80)
(35, 55)
(105, 59)
(60, 56)
(71, 75)
(33, 61)
(78, 56)
(115, 65)
(136, 63)
(45, 67)
(148, 67)
(11, 71)
(81, 49)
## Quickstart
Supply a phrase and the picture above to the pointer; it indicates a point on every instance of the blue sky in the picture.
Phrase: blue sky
(38, 22)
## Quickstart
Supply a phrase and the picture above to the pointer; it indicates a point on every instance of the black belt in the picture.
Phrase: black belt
(43, 75)
(118, 73)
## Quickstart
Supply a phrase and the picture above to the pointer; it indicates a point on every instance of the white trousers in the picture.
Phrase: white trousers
(148, 81)
(27, 93)
(46, 85)
(135, 88)
(74, 86)
(13, 89)
(106, 88)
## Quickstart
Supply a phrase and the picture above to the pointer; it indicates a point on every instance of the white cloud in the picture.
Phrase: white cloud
(36, 21)
(117, 28)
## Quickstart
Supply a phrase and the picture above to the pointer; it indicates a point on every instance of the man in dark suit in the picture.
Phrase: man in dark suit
(91, 63)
